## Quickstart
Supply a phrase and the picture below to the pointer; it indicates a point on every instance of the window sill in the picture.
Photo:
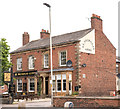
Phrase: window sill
(19, 70)
(31, 91)
(46, 67)
(31, 68)
(19, 91)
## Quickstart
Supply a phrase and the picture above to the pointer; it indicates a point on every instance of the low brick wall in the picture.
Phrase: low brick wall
(87, 101)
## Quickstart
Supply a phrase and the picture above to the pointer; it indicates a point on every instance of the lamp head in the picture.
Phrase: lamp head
(46, 5)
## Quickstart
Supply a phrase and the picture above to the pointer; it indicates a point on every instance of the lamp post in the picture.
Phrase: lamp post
(50, 50)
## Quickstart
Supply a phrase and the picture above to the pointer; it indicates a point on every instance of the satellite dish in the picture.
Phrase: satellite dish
(69, 63)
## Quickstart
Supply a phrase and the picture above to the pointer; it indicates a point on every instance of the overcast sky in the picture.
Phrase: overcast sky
(19, 16)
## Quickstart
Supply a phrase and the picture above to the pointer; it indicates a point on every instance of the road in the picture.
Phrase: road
(34, 103)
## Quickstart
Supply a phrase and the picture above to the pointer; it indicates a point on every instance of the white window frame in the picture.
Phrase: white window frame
(19, 63)
(29, 85)
(17, 85)
(55, 82)
(30, 61)
(63, 78)
(70, 81)
(58, 78)
(45, 66)
(60, 57)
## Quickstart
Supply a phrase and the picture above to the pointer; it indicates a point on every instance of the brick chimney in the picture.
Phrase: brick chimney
(96, 22)
(25, 38)
(44, 34)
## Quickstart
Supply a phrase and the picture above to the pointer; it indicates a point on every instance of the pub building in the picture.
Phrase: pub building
(80, 63)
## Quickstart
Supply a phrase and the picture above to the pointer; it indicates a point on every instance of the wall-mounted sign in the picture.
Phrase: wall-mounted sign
(87, 43)
(7, 76)
(26, 73)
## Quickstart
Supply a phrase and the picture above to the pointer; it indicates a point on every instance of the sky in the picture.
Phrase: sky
(19, 16)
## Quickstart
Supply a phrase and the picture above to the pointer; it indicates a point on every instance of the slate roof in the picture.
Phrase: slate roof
(56, 40)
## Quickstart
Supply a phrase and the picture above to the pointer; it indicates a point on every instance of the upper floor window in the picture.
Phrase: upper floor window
(31, 62)
(19, 63)
(63, 58)
(46, 62)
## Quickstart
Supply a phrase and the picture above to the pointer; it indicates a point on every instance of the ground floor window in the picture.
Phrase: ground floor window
(19, 85)
(58, 85)
(64, 82)
(31, 85)
(70, 82)
(58, 82)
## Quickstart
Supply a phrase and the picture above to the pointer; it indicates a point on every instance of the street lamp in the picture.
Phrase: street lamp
(50, 50)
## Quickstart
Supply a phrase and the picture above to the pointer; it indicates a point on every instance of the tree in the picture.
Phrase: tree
(4, 62)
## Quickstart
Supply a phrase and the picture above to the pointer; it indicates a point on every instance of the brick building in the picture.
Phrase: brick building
(83, 61)
(118, 73)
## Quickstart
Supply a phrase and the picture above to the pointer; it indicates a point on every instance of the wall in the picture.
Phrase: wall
(100, 70)
(91, 102)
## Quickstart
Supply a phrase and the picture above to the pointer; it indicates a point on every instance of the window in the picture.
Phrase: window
(31, 62)
(53, 83)
(64, 82)
(63, 58)
(19, 85)
(70, 82)
(31, 85)
(19, 63)
(59, 83)
(46, 63)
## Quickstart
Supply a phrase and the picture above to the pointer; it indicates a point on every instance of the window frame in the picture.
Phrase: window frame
(46, 61)
(53, 79)
(20, 63)
(60, 57)
(57, 82)
(29, 62)
(18, 85)
(29, 85)
(63, 78)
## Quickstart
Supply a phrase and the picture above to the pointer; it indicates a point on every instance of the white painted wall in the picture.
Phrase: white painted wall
(87, 43)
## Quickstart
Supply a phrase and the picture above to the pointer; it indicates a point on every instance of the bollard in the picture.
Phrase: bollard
(114, 93)
(22, 104)
(68, 105)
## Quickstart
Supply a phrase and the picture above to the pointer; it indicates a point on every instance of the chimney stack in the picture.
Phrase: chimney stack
(25, 38)
(44, 34)
(96, 22)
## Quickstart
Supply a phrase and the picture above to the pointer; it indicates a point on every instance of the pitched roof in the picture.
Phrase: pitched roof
(56, 40)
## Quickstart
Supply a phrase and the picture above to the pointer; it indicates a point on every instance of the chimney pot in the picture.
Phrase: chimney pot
(25, 38)
(44, 34)
(96, 22)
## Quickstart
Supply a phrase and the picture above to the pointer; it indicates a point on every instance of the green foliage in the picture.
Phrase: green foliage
(4, 62)
(75, 93)
(39, 87)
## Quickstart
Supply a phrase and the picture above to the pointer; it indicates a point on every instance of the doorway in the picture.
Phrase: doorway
(24, 87)
(46, 85)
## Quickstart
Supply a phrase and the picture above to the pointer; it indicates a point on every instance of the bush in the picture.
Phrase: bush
(75, 93)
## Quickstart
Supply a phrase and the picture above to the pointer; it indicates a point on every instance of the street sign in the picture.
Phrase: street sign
(7, 77)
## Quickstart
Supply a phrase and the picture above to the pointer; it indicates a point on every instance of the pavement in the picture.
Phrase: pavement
(34, 103)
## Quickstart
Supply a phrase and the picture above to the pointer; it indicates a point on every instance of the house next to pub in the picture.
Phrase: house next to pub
(83, 61)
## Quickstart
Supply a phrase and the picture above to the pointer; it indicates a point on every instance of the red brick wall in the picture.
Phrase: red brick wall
(39, 57)
(3, 89)
(87, 102)
(101, 68)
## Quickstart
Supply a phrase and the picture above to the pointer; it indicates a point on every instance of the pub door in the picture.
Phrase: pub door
(46, 85)
(24, 87)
